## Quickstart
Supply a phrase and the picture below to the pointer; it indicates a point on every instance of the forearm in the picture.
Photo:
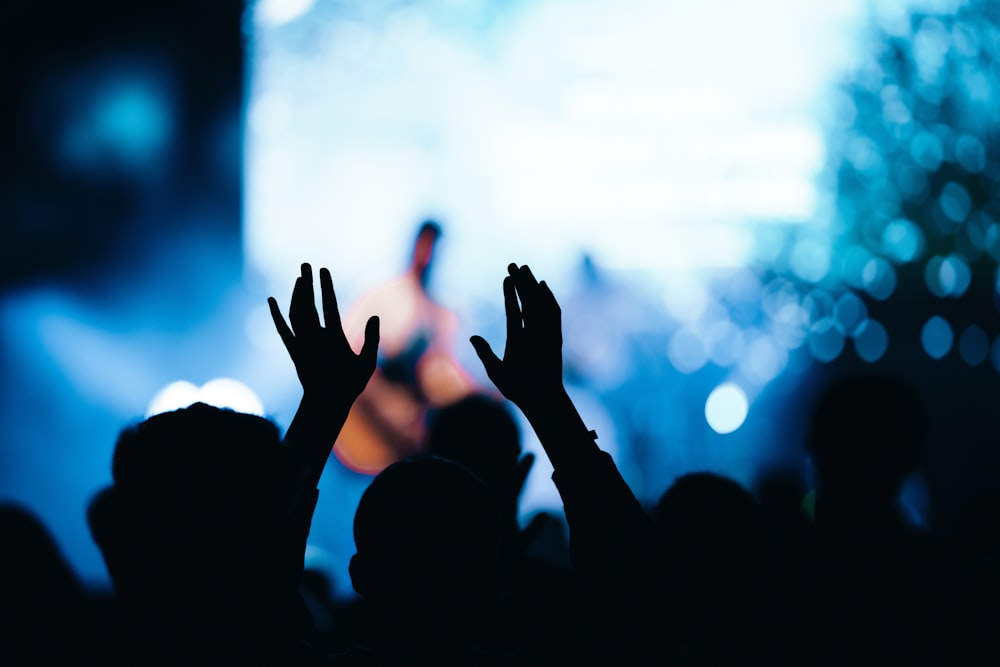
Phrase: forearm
(560, 428)
(314, 429)
(606, 521)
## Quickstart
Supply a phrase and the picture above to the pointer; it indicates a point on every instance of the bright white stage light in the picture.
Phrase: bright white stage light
(726, 408)
(221, 392)
(274, 13)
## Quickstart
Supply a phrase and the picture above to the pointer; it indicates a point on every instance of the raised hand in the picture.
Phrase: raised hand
(323, 358)
(609, 531)
(530, 373)
(531, 368)
(332, 375)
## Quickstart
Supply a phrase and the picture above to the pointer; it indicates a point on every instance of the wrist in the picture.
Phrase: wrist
(546, 402)
(328, 398)
(555, 415)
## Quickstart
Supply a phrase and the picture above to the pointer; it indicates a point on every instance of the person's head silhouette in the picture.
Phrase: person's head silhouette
(867, 433)
(197, 527)
(426, 550)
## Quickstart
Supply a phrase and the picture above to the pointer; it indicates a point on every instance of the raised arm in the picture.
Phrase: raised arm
(331, 374)
(611, 538)
(606, 521)
(530, 373)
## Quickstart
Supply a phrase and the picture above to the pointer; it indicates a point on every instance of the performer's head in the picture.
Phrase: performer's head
(423, 249)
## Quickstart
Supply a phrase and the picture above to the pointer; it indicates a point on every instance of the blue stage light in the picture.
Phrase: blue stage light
(726, 408)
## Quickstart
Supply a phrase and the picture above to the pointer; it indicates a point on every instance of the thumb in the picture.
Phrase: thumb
(369, 351)
(486, 355)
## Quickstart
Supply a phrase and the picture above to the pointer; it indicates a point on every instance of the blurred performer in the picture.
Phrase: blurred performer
(416, 369)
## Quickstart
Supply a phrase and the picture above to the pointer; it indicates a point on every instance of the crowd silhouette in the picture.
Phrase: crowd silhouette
(204, 528)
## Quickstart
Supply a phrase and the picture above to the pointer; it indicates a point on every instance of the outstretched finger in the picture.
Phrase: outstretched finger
(528, 277)
(302, 314)
(331, 313)
(284, 331)
(548, 297)
(491, 363)
(527, 287)
(512, 309)
(369, 351)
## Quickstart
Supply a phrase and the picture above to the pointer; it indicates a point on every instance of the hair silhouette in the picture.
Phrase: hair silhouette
(867, 433)
(41, 601)
(426, 557)
(197, 533)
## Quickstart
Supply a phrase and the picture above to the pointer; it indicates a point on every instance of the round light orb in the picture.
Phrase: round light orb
(726, 408)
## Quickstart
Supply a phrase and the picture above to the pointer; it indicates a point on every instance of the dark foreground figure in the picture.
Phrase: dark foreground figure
(204, 529)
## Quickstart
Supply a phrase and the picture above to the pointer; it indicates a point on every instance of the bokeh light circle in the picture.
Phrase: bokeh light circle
(902, 241)
(973, 345)
(936, 337)
(879, 278)
(825, 341)
(726, 408)
(871, 341)
(849, 314)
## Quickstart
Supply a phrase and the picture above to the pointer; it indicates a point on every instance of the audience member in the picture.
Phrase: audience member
(426, 561)
(203, 531)
(204, 528)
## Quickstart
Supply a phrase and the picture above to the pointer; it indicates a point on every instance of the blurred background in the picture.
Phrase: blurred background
(734, 203)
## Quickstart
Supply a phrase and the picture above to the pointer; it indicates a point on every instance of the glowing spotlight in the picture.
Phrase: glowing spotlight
(232, 394)
(221, 392)
(726, 408)
(273, 13)
(936, 337)
(174, 396)
(129, 120)
(136, 119)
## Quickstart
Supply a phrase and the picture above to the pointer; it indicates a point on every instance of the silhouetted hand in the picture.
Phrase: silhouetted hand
(531, 368)
(530, 373)
(323, 358)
